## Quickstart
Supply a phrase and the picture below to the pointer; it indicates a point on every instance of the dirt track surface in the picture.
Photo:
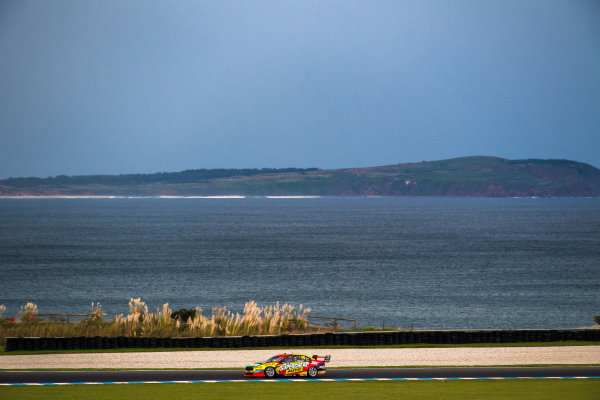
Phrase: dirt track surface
(459, 356)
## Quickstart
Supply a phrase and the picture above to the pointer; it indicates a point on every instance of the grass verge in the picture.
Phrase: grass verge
(525, 389)
(329, 368)
(407, 346)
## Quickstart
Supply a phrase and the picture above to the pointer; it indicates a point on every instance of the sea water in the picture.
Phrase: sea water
(421, 262)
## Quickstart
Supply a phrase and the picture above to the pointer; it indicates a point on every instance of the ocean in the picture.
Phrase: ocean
(426, 263)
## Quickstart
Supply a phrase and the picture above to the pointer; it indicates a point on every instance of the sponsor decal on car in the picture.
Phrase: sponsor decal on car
(293, 366)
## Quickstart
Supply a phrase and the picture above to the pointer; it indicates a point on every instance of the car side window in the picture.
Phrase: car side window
(287, 360)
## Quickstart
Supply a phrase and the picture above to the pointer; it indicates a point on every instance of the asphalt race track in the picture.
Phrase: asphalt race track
(13, 377)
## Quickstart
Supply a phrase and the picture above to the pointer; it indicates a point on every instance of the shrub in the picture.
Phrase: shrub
(597, 319)
(369, 329)
(183, 314)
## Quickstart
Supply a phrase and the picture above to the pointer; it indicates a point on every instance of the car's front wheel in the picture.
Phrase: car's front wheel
(270, 372)
(312, 372)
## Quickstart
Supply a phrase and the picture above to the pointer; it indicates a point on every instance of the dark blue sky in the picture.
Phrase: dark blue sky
(106, 87)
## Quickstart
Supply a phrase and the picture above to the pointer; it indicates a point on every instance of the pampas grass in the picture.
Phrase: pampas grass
(27, 311)
(255, 320)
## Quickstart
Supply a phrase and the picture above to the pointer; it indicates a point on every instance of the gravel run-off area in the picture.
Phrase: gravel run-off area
(459, 356)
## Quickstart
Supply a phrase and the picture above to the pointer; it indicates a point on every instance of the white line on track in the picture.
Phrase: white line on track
(303, 380)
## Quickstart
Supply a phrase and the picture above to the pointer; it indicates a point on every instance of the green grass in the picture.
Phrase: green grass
(416, 345)
(526, 389)
(238, 368)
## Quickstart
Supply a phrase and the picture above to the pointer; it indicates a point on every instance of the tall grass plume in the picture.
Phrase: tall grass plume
(254, 320)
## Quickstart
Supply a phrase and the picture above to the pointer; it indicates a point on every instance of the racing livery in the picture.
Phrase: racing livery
(289, 364)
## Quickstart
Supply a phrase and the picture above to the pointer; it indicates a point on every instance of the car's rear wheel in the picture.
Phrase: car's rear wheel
(270, 372)
(312, 372)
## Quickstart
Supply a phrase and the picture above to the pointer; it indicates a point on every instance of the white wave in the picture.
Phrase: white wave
(202, 197)
(292, 197)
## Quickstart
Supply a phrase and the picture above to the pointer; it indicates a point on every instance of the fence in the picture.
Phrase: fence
(317, 339)
(60, 317)
(328, 322)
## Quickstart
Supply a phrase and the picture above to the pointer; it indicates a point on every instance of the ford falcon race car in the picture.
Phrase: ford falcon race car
(289, 364)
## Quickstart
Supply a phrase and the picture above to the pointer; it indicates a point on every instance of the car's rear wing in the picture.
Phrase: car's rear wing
(325, 358)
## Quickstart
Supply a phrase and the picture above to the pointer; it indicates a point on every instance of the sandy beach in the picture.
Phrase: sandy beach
(463, 356)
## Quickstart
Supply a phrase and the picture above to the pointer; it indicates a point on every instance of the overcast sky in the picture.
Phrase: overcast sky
(124, 86)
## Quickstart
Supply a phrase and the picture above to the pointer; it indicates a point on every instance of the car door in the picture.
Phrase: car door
(286, 365)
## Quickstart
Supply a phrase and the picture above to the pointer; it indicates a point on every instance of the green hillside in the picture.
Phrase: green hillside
(458, 177)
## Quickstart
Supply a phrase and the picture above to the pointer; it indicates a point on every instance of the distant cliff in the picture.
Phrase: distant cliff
(457, 177)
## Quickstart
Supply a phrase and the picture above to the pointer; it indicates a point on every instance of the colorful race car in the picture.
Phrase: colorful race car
(289, 364)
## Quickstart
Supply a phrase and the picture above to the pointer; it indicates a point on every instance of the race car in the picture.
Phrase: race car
(288, 365)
